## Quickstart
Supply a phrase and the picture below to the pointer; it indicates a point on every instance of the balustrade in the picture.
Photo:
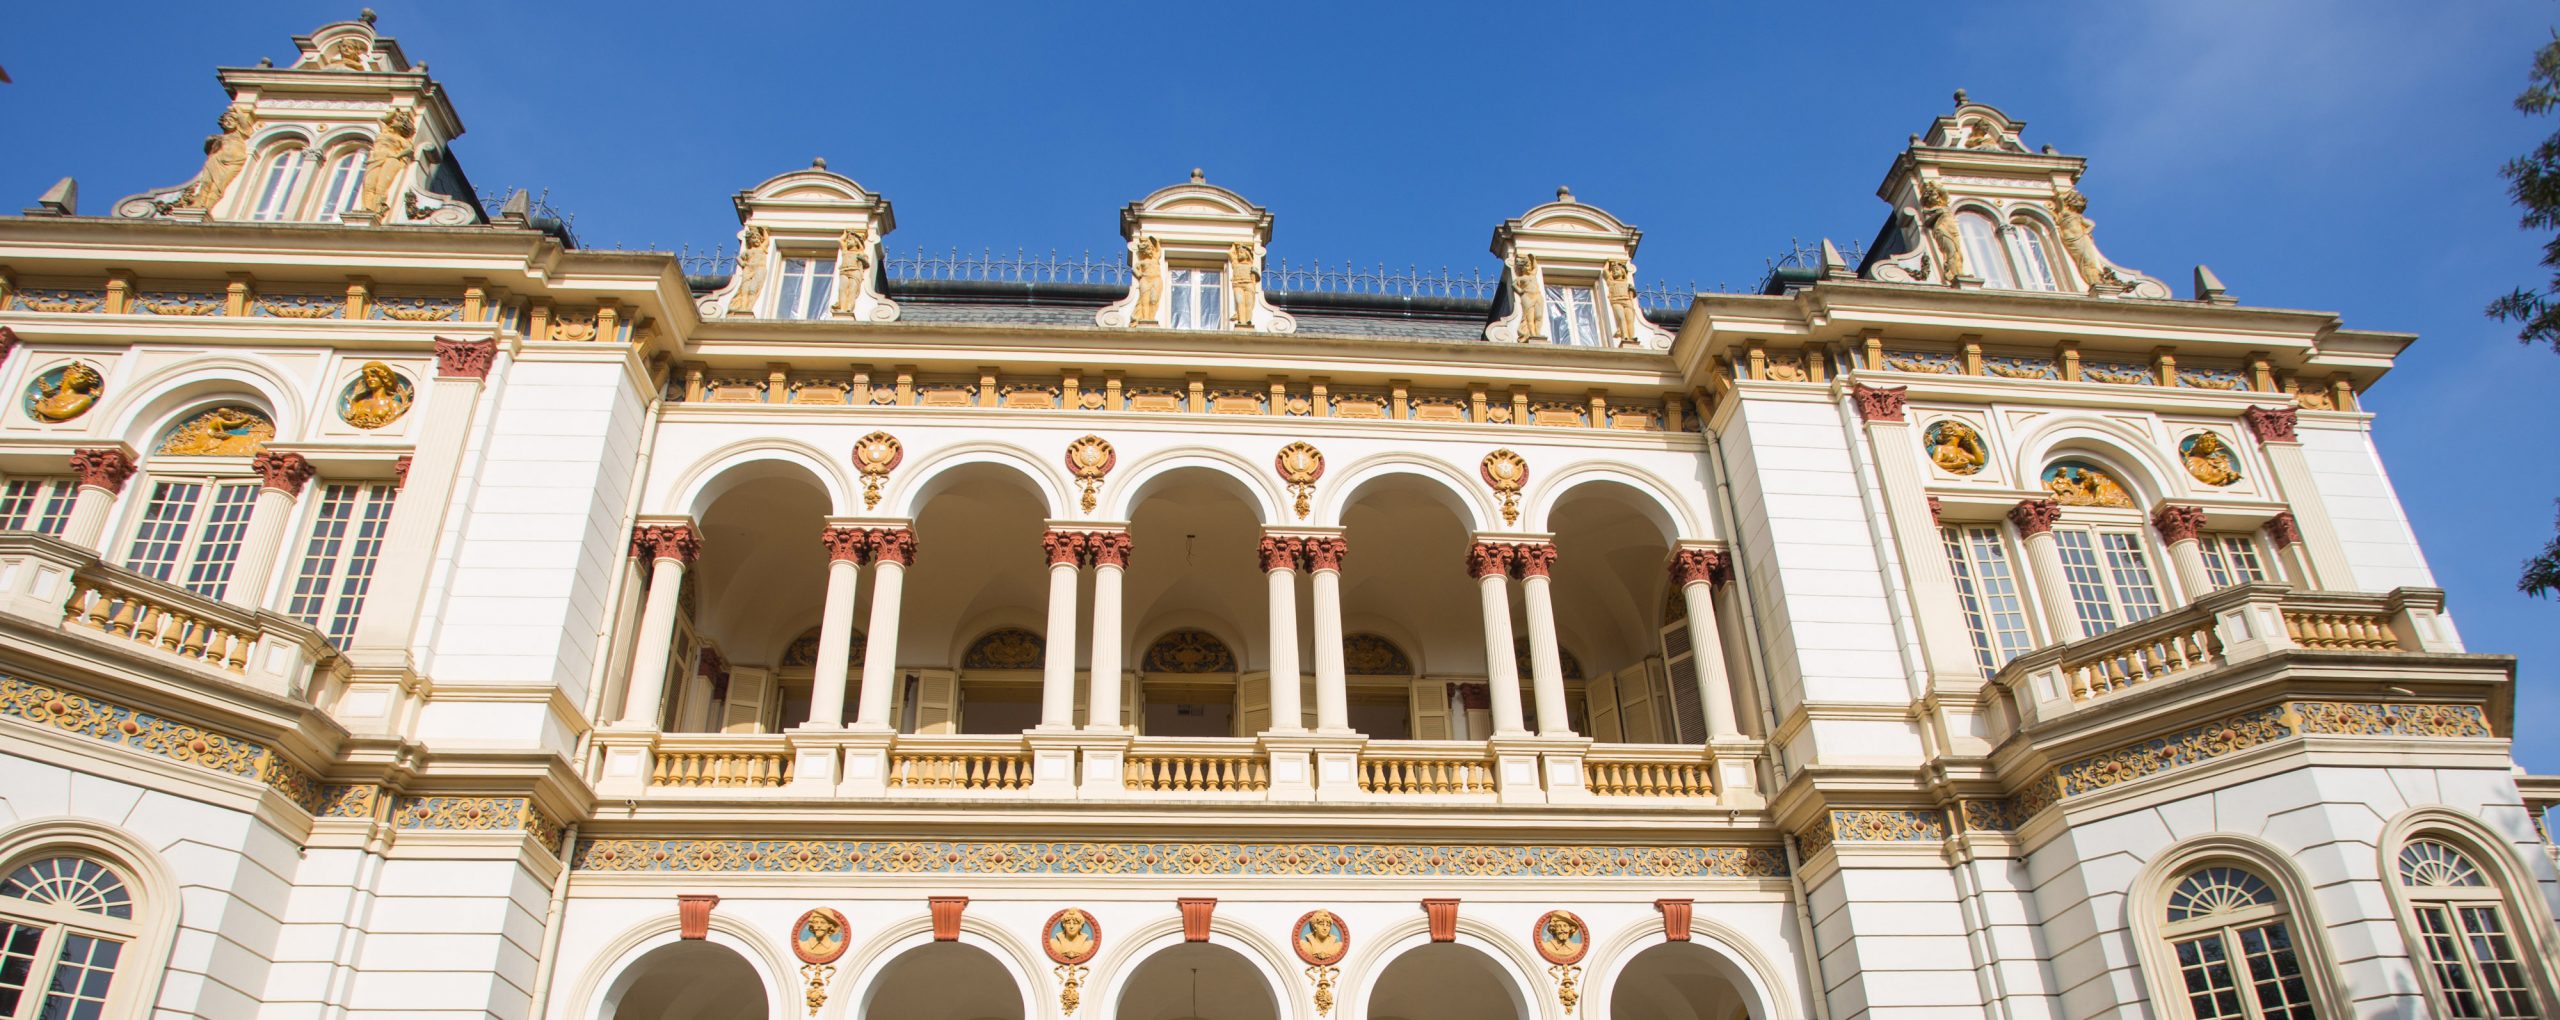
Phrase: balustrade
(167, 624)
(945, 765)
(689, 761)
(1436, 768)
(1245, 771)
(2146, 658)
(2341, 630)
(1640, 772)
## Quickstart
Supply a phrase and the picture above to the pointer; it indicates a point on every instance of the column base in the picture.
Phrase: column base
(382, 694)
(1737, 765)
(1053, 761)
(1314, 766)
(1106, 756)
(1516, 778)
(629, 756)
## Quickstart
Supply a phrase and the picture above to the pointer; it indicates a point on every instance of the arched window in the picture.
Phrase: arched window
(65, 925)
(1984, 255)
(2229, 937)
(2105, 558)
(2033, 256)
(196, 519)
(281, 184)
(338, 193)
(2460, 922)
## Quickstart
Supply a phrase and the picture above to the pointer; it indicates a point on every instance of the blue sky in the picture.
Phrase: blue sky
(2338, 156)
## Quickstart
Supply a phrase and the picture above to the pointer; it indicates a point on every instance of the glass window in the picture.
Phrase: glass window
(2234, 950)
(346, 175)
(2461, 923)
(807, 285)
(1984, 255)
(1573, 316)
(37, 504)
(2231, 557)
(2035, 266)
(1198, 300)
(1988, 590)
(281, 184)
(197, 522)
(2110, 576)
(339, 557)
(64, 923)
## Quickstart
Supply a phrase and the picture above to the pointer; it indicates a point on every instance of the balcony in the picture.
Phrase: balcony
(53, 587)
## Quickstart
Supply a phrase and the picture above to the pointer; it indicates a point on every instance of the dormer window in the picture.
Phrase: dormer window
(2035, 263)
(346, 175)
(1197, 299)
(282, 181)
(1573, 316)
(807, 284)
(1984, 255)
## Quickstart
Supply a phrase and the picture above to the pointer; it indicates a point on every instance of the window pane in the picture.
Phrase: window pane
(81, 973)
(2444, 956)
(2242, 552)
(1984, 255)
(2089, 594)
(226, 524)
(284, 176)
(59, 498)
(2000, 598)
(345, 176)
(2211, 992)
(163, 534)
(18, 945)
(2501, 973)
(2275, 976)
(18, 502)
(795, 278)
(2136, 591)
(2034, 268)
(1969, 601)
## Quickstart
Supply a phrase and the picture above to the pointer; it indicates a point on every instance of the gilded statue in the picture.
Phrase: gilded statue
(64, 393)
(1320, 938)
(1941, 224)
(225, 155)
(853, 269)
(1529, 297)
(2081, 485)
(1560, 937)
(345, 55)
(1623, 311)
(377, 398)
(394, 148)
(1150, 273)
(1244, 283)
(1071, 937)
(1955, 447)
(220, 432)
(820, 937)
(2070, 220)
(2209, 459)
(751, 256)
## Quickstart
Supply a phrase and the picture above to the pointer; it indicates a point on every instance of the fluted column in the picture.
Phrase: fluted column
(1333, 698)
(281, 478)
(1058, 670)
(103, 472)
(1696, 571)
(2178, 527)
(2322, 551)
(1280, 569)
(892, 551)
(2034, 518)
(2287, 539)
(1490, 562)
(392, 600)
(670, 549)
(1546, 663)
(1110, 550)
(845, 550)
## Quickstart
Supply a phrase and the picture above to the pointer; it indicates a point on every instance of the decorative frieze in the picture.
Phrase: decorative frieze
(923, 857)
(477, 814)
(2230, 735)
(133, 729)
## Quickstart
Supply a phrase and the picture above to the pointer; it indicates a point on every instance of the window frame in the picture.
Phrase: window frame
(1192, 290)
(263, 204)
(819, 283)
(2100, 526)
(2221, 549)
(361, 525)
(50, 503)
(1994, 237)
(335, 196)
(1555, 289)
(2154, 936)
(2031, 249)
(214, 475)
(2529, 931)
(145, 937)
(1961, 540)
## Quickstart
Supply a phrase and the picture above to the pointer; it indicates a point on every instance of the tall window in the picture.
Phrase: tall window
(338, 560)
(1984, 255)
(2231, 557)
(807, 285)
(1573, 316)
(2112, 583)
(37, 504)
(1198, 300)
(2235, 954)
(281, 184)
(196, 524)
(2461, 924)
(2033, 255)
(64, 925)
(1988, 589)
(346, 176)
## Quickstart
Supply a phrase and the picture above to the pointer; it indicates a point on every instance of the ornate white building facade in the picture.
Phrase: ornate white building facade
(404, 612)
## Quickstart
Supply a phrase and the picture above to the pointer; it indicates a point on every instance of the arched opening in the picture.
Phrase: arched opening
(1194, 603)
(1616, 616)
(1445, 980)
(688, 980)
(1682, 981)
(979, 571)
(944, 981)
(1197, 981)
(758, 585)
(1407, 564)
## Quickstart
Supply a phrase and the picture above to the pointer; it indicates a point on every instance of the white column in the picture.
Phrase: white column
(102, 474)
(417, 518)
(1546, 665)
(2313, 530)
(1333, 700)
(670, 547)
(283, 476)
(845, 547)
(2287, 539)
(2034, 518)
(1058, 672)
(1280, 569)
(2178, 526)
(1695, 570)
(1945, 643)
(1102, 703)
(891, 551)
(1491, 564)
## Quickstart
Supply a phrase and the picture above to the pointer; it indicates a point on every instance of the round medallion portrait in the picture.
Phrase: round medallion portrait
(376, 397)
(819, 936)
(1955, 447)
(1071, 937)
(64, 392)
(2208, 458)
(1562, 937)
(1320, 938)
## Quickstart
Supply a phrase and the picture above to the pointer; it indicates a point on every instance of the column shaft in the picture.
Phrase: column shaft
(102, 472)
(1490, 563)
(1546, 666)
(657, 629)
(1333, 699)
(1280, 569)
(268, 519)
(880, 644)
(1102, 703)
(2034, 518)
(1058, 670)
(835, 633)
(1706, 659)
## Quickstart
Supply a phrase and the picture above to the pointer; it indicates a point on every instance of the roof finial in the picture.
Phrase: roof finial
(266, 61)
(817, 162)
(1197, 177)
(1564, 194)
(365, 15)
(1960, 100)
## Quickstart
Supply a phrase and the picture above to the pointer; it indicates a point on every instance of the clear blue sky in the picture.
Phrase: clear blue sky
(2338, 156)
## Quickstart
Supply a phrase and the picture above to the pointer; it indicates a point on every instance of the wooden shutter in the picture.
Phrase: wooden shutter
(1129, 692)
(1600, 699)
(1639, 714)
(749, 688)
(937, 702)
(1253, 703)
(1430, 708)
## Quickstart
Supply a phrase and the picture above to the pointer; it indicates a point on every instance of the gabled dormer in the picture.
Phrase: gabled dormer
(348, 132)
(1195, 262)
(1974, 208)
(1569, 278)
(808, 248)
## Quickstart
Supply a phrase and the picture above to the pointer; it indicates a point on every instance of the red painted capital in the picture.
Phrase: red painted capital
(1444, 919)
(1196, 911)
(892, 545)
(693, 914)
(2178, 523)
(1878, 404)
(1534, 559)
(1695, 566)
(283, 472)
(2270, 424)
(2282, 531)
(400, 471)
(846, 545)
(8, 342)
(946, 916)
(1109, 548)
(1488, 559)
(465, 359)
(1326, 553)
(666, 542)
(2035, 516)
(1280, 552)
(1064, 548)
(1936, 509)
(1675, 919)
(105, 468)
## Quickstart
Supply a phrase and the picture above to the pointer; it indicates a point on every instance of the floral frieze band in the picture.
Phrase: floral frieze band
(1223, 859)
(477, 814)
(1871, 825)
(108, 722)
(2246, 730)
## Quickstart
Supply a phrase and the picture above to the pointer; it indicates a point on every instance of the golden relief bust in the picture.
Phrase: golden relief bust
(377, 397)
(2209, 459)
(1955, 447)
(220, 432)
(64, 393)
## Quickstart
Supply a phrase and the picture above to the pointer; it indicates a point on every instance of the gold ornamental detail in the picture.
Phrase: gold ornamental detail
(818, 974)
(1300, 465)
(876, 455)
(1091, 458)
(1506, 473)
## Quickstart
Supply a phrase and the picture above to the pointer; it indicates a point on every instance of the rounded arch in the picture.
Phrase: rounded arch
(596, 991)
(1752, 974)
(1368, 963)
(1121, 495)
(148, 405)
(1453, 488)
(2147, 906)
(982, 626)
(2518, 889)
(1156, 627)
(1649, 496)
(936, 471)
(1129, 952)
(864, 968)
(1394, 632)
(714, 474)
(2122, 449)
(157, 907)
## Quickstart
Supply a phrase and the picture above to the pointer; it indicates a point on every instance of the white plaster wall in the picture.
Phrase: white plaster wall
(449, 937)
(1894, 944)
(2358, 494)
